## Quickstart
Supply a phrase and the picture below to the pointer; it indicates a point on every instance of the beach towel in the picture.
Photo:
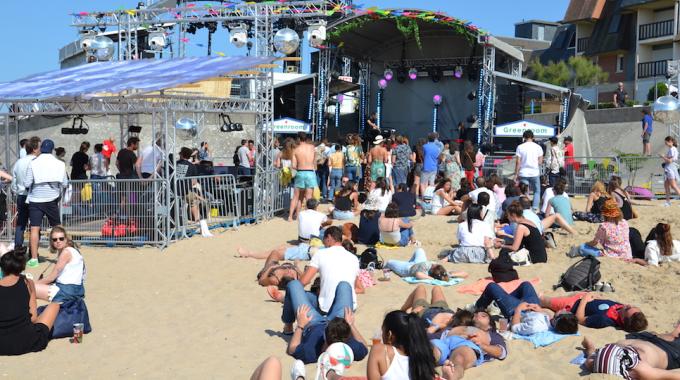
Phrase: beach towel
(452, 281)
(543, 339)
(478, 287)
(386, 246)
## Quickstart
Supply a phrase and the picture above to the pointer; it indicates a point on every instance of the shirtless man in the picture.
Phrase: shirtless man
(305, 179)
(377, 157)
(641, 356)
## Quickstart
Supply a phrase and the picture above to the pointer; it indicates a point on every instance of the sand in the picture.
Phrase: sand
(195, 311)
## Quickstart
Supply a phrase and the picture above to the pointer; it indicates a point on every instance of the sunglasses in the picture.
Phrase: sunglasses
(60, 238)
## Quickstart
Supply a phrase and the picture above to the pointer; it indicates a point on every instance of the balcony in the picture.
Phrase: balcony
(651, 69)
(656, 30)
(582, 44)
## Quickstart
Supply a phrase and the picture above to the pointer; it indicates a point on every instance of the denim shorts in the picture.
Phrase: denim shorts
(343, 215)
(300, 252)
(305, 179)
(65, 292)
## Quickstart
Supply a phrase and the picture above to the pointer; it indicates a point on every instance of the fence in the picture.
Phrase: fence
(138, 212)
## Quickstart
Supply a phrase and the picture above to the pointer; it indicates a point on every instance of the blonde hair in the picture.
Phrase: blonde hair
(598, 186)
(69, 241)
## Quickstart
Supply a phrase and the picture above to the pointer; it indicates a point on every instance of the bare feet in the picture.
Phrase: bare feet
(275, 294)
(242, 252)
(448, 371)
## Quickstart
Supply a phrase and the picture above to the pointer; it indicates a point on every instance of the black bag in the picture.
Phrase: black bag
(502, 268)
(581, 276)
(236, 158)
(370, 255)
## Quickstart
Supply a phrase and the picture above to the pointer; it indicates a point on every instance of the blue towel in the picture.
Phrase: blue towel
(544, 338)
(452, 281)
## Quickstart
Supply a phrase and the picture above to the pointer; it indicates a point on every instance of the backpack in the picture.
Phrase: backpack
(369, 257)
(581, 276)
(236, 158)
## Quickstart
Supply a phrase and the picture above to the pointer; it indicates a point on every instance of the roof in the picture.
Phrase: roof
(534, 21)
(534, 84)
(286, 79)
(584, 10)
(114, 77)
(559, 48)
(614, 32)
(637, 3)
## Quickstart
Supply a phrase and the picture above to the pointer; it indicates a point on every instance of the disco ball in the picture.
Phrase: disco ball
(286, 41)
(186, 129)
(666, 110)
(103, 48)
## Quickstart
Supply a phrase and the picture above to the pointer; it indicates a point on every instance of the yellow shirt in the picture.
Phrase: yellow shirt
(337, 160)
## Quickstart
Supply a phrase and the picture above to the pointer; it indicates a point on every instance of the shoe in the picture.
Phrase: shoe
(550, 241)
(667, 204)
(607, 288)
(598, 286)
(493, 309)
(33, 263)
(297, 372)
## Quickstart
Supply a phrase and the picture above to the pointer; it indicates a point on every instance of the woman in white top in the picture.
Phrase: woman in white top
(405, 354)
(443, 202)
(662, 249)
(393, 229)
(65, 282)
(670, 168)
(476, 239)
(382, 193)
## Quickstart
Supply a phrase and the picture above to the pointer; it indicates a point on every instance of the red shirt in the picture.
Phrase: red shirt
(569, 154)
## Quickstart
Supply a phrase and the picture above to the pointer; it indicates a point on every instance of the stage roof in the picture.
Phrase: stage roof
(141, 76)
(534, 84)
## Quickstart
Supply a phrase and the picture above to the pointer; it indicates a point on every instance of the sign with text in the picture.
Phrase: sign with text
(517, 129)
(289, 125)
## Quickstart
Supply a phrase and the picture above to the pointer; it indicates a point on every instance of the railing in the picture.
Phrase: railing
(655, 30)
(582, 44)
(652, 69)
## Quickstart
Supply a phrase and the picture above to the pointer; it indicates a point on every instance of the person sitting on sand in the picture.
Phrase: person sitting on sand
(369, 231)
(394, 230)
(381, 194)
(560, 203)
(481, 184)
(522, 308)
(406, 201)
(613, 234)
(475, 239)
(598, 195)
(443, 202)
(644, 356)
(66, 281)
(419, 267)
(310, 221)
(527, 235)
(598, 313)
(660, 247)
(346, 202)
(547, 222)
(405, 351)
(621, 196)
(21, 329)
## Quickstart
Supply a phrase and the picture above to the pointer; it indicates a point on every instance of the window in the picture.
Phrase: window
(614, 23)
(620, 59)
(540, 33)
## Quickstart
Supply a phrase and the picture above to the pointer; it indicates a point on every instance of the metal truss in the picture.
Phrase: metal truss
(486, 96)
(324, 80)
(364, 91)
(424, 63)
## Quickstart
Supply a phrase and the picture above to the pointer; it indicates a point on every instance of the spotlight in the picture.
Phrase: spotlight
(157, 40)
(82, 129)
(317, 33)
(212, 26)
(382, 83)
(228, 126)
(238, 34)
(435, 75)
(413, 74)
(437, 99)
(191, 28)
(458, 72)
(401, 75)
(134, 129)
(389, 74)
(87, 39)
(341, 98)
(472, 96)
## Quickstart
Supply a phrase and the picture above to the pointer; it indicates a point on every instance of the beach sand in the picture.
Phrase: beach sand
(193, 310)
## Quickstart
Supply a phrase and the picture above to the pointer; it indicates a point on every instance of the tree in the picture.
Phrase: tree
(578, 71)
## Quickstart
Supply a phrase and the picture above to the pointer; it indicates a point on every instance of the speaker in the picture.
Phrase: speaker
(509, 104)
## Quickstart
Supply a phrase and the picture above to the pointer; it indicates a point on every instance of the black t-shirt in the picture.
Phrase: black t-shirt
(621, 97)
(369, 232)
(126, 163)
(185, 168)
(460, 193)
(406, 201)
(78, 162)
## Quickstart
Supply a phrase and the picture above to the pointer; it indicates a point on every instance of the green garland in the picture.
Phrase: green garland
(409, 28)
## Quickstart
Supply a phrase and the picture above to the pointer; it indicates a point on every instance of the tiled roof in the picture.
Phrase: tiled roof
(580, 10)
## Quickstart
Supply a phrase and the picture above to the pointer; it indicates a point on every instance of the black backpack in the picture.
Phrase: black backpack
(236, 158)
(581, 276)
(370, 255)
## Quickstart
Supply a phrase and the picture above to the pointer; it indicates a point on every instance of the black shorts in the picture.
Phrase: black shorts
(672, 349)
(36, 211)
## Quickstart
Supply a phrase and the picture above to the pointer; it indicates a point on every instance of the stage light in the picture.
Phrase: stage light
(191, 28)
(340, 98)
(382, 83)
(238, 34)
(317, 33)
(435, 75)
(472, 96)
(286, 41)
(157, 40)
(401, 75)
(389, 74)
(87, 39)
(228, 126)
(458, 72)
(413, 74)
(212, 26)
(82, 129)
(437, 99)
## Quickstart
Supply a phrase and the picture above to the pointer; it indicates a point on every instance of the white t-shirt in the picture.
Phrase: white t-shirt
(529, 153)
(654, 256)
(309, 223)
(492, 197)
(480, 230)
(243, 156)
(383, 200)
(151, 156)
(672, 154)
(335, 265)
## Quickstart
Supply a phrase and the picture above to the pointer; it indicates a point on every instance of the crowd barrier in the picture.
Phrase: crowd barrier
(156, 212)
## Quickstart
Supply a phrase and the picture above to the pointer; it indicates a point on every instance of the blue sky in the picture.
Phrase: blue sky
(33, 31)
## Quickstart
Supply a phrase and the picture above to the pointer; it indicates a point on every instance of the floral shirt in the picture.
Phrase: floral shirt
(402, 154)
(615, 240)
(353, 155)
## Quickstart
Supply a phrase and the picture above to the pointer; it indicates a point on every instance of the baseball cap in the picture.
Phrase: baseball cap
(47, 146)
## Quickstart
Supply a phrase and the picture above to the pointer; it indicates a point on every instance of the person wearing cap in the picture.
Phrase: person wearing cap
(377, 157)
(555, 161)
(613, 233)
(46, 178)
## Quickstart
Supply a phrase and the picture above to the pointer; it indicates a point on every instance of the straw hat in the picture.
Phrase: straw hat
(611, 209)
(378, 140)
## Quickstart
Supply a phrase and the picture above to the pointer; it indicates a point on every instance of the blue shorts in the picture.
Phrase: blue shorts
(300, 252)
(343, 215)
(305, 179)
(451, 343)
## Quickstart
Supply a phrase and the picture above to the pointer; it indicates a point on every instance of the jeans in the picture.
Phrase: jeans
(244, 171)
(322, 179)
(399, 175)
(353, 173)
(402, 268)
(336, 182)
(296, 296)
(507, 302)
(535, 186)
(22, 220)
(406, 234)
(552, 179)
(343, 215)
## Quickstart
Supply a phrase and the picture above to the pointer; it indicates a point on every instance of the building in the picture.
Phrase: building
(536, 30)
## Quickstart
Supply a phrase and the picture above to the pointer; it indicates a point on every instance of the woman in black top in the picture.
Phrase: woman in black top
(80, 162)
(621, 197)
(346, 202)
(21, 329)
(527, 235)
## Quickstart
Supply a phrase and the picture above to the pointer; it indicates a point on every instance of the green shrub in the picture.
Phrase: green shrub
(661, 90)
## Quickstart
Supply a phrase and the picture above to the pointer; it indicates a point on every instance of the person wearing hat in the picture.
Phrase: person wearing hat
(377, 157)
(46, 178)
(555, 161)
(613, 233)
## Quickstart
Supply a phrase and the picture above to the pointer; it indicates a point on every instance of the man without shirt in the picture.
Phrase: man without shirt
(305, 179)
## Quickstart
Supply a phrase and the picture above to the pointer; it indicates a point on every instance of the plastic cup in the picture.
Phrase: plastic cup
(78, 332)
(386, 274)
(503, 324)
(377, 337)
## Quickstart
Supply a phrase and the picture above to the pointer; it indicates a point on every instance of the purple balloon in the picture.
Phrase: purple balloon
(437, 99)
(382, 83)
(341, 97)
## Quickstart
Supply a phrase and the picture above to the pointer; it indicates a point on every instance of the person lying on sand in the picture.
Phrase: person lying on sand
(642, 356)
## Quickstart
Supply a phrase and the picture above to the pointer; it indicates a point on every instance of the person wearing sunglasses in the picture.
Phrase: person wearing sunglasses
(65, 281)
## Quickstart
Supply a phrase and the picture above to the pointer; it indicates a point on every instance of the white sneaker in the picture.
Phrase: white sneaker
(297, 372)
(667, 204)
